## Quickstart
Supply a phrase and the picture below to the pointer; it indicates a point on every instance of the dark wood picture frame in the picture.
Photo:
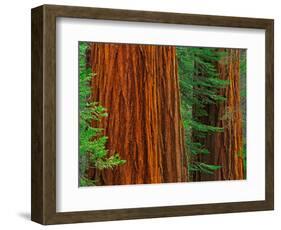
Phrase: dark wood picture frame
(43, 188)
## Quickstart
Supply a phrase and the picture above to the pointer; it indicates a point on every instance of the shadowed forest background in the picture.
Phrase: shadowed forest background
(160, 114)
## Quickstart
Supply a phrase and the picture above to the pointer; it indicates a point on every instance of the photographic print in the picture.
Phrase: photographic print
(161, 114)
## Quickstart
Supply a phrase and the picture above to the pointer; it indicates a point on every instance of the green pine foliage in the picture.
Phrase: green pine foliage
(202, 167)
(92, 150)
(199, 86)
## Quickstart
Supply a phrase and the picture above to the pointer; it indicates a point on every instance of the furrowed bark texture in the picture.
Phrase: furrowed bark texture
(226, 147)
(138, 84)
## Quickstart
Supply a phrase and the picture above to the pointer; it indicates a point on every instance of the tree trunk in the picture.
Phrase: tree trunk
(226, 147)
(138, 85)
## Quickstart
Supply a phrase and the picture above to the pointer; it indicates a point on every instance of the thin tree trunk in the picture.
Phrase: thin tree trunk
(226, 147)
(138, 85)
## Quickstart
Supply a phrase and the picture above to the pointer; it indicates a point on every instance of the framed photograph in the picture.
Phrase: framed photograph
(139, 114)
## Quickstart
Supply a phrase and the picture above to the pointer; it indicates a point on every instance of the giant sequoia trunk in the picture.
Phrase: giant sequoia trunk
(226, 147)
(138, 85)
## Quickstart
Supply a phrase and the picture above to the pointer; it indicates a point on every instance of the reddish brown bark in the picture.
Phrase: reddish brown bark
(226, 147)
(138, 84)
